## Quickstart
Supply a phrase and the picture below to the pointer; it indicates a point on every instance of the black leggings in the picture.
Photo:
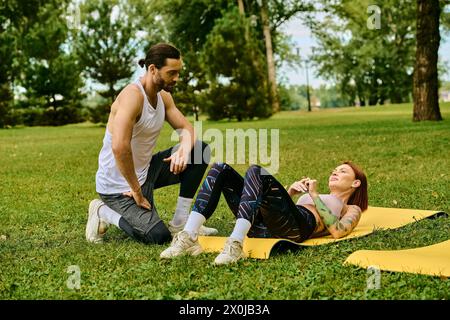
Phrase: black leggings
(259, 198)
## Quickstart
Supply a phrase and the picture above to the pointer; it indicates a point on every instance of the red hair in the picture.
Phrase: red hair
(359, 196)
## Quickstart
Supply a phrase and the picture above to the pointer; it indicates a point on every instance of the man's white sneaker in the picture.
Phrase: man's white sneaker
(231, 253)
(95, 226)
(203, 231)
(182, 244)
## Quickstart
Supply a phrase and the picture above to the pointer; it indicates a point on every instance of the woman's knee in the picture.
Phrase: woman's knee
(254, 169)
(219, 166)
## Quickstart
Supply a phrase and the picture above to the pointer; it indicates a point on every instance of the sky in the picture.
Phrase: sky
(303, 39)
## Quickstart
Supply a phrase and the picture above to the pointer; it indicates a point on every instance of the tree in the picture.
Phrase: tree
(372, 63)
(271, 73)
(40, 63)
(51, 75)
(238, 89)
(426, 99)
(107, 45)
(188, 24)
(15, 19)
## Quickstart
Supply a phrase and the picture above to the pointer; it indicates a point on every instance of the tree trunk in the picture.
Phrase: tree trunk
(425, 87)
(241, 7)
(270, 59)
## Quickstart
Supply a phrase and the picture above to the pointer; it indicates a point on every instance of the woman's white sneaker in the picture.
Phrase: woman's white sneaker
(231, 253)
(182, 244)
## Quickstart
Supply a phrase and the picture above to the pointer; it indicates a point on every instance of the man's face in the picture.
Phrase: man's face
(167, 77)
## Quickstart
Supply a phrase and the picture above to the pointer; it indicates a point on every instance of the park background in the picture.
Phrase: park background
(64, 62)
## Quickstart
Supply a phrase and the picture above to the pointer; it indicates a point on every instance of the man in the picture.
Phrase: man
(129, 171)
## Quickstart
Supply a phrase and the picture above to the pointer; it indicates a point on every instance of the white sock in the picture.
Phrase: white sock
(181, 211)
(241, 229)
(194, 223)
(109, 215)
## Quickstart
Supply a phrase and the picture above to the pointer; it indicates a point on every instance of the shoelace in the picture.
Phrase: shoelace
(181, 242)
(232, 248)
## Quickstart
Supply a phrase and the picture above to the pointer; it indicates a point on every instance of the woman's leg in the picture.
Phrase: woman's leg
(221, 178)
(263, 194)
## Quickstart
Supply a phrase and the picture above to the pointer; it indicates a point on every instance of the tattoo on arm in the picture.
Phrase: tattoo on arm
(338, 228)
(325, 213)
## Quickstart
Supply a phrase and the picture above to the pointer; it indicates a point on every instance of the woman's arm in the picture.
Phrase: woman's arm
(338, 228)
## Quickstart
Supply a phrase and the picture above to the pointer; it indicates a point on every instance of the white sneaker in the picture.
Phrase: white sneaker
(231, 253)
(203, 231)
(95, 226)
(182, 244)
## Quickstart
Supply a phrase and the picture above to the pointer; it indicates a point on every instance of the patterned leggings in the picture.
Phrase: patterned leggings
(259, 198)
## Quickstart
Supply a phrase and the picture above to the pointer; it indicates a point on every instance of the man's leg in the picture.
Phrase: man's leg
(160, 176)
(139, 223)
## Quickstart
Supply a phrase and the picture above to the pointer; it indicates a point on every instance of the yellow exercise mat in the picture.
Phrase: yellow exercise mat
(373, 218)
(432, 260)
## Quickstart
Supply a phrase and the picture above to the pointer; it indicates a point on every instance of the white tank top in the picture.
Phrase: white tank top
(332, 202)
(108, 179)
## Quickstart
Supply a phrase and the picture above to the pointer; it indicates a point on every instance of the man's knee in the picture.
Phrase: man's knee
(159, 234)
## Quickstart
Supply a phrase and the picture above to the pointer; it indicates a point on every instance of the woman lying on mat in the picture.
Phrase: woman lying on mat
(264, 208)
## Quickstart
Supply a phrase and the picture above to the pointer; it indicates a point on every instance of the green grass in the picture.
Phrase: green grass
(47, 178)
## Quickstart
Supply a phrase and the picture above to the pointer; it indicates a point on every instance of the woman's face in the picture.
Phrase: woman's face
(343, 178)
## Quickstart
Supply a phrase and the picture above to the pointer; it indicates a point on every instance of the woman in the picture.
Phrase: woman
(263, 208)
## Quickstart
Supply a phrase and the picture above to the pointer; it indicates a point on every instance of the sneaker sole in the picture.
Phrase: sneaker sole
(193, 253)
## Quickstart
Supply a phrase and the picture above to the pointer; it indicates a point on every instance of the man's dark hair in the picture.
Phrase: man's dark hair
(158, 54)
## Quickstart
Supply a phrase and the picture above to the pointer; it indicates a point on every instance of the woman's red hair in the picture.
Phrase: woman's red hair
(359, 196)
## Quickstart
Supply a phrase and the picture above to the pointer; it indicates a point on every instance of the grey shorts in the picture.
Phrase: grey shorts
(143, 220)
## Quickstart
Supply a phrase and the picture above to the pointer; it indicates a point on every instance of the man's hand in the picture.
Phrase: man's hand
(141, 201)
(178, 161)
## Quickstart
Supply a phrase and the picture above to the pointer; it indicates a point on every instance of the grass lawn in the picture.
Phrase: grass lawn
(47, 178)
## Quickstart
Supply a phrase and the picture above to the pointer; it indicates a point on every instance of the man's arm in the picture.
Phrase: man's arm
(177, 121)
(129, 105)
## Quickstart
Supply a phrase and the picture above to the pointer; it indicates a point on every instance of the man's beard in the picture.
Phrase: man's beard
(162, 85)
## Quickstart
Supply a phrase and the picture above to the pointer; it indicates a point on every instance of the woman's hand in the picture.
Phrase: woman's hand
(312, 187)
(298, 187)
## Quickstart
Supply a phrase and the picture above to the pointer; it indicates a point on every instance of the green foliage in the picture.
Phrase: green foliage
(235, 68)
(371, 65)
(40, 63)
(107, 45)
(48, 181)
(188, 24)
(294, 97)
